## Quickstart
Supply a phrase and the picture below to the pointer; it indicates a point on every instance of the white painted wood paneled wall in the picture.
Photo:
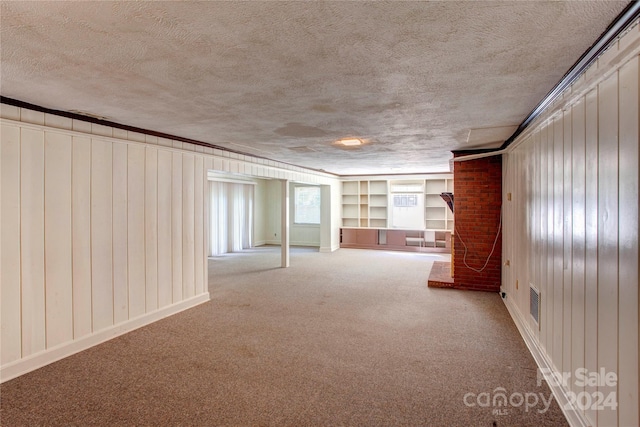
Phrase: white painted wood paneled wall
(571, 229)
(103, 231)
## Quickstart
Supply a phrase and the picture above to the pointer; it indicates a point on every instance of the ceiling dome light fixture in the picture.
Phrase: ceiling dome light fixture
(350, 142)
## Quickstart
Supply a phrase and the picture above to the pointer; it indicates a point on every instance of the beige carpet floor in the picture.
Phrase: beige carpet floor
(350, 338)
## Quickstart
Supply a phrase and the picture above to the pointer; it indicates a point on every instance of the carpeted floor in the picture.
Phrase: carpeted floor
(351, 338)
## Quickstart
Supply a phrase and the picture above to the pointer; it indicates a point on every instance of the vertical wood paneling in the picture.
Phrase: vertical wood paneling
(509, 273)
(521, 210)
(591, 242)
(188, 226)
(95, 232)
(558, 235)
(31, 116)
(176, 225)
(537, 240)
(545, 284)
(97, 129)
(584, 241)
(587, 184)
(522, 214)
(208, 164)
(101, 234)
(165, 142)
(524, 218)
(566, 240)
(79, 125)
(57, 228)
(199, 253)
(628, 374)
(550, 241)
(577, 235)
(10, 112)
(151, 227)
(234, 166)
(51, 120)
(11, 332)
(608, 233)
(120, 239)
(32, 239)
(528, 210)
(81, 217)
(136, 230)
(164, 229)
(121, 134)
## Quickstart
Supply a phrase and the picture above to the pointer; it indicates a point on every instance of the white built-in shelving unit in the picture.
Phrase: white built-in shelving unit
(437, 215)
(365, 203)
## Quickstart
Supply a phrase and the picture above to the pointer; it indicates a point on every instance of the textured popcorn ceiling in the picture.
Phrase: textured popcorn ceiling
(284, 80)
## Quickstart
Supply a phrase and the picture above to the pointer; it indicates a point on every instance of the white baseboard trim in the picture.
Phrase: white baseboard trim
(291, 243)
(31, 363)
(574, 416)
(259, 243)
(302, 243)
(329, 248)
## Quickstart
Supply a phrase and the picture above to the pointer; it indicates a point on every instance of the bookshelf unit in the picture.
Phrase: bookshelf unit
(365, 203)
(350, 204)
(378, 200)
(437, 215)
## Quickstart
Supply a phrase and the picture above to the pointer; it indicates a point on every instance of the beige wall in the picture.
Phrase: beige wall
(299, 235)
(261, 206)
(326, 236)
(571, 230)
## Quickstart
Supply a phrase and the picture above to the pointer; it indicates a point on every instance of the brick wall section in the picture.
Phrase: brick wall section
(477, 202)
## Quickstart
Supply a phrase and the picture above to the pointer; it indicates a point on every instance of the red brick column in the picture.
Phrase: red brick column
(477, 186)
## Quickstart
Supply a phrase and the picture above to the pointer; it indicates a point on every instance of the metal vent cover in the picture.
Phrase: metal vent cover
(534, 303)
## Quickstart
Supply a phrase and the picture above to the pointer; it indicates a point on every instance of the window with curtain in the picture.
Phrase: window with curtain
(231, 217)
(306, 208)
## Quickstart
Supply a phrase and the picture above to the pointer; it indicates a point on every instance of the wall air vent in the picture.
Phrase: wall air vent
(534, 303)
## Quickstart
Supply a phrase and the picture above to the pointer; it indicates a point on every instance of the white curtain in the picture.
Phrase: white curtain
(231, 217)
